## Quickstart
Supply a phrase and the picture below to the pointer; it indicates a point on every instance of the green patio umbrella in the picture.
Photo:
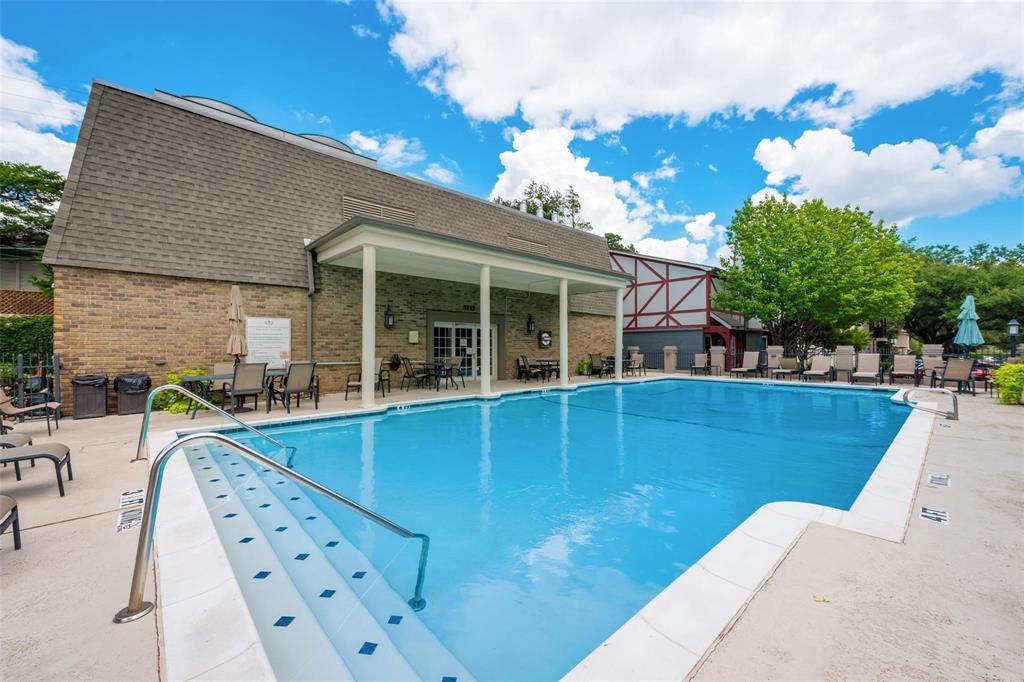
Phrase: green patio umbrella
(967, 333)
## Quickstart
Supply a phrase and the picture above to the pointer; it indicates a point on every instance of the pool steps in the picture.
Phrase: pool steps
(354, 613)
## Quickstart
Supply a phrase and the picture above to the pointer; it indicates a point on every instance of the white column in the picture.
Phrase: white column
(485, 329)
(369, 372)
(563, 331)
(618, 334)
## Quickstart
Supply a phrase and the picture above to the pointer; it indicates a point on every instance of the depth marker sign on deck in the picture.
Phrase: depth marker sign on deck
(936, 515)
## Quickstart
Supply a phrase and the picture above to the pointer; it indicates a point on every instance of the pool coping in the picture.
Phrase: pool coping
(208, 630)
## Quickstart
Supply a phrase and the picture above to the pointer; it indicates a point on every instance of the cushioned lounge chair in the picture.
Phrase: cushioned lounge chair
(7, 409)
(58, 453)
(903, 366)
(9, 518)
(868, 367)
(700, 364)
(821, 366)
(716, 363)
(750, 366)
(844, 360)
(787, 367)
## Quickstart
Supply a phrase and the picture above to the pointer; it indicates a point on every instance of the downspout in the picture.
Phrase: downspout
(309, 304)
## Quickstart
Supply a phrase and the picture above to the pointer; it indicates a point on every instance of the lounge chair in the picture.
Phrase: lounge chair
(14, 440)
(751, 364)
(419, 377)
(773, 356)
(867, 368)
(904, 366)
(636, 365)
(821, 366)
(933, 364)
(57, 453)
(787, 367)
(844, 360)
(7, 409)
(717, 360)
(960, 370)
(9, 518)
(300, 380)
(699, 364)
(597, 365)
(250, 379)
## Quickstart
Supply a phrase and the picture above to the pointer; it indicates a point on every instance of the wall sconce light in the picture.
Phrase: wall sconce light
(389, 318)
(531, 326)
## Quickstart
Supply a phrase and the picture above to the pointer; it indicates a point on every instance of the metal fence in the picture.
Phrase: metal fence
(30, 378)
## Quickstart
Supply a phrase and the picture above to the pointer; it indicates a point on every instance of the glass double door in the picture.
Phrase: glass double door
(462, 340)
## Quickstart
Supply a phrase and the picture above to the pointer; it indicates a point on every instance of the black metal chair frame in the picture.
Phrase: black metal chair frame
(286, 392)
(58, 462)
(12, 521)
(232, 395)
(411, 375)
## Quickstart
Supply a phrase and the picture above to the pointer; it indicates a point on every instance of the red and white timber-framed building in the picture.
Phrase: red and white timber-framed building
(669, 303)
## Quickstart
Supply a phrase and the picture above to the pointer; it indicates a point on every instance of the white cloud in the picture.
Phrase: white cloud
(713, 168)
(666, 171)
(33, 114)
(702, 227)
(446, 172)
(364, 31)
(310, 117)
(1005, 138)
(762, 194)
(618, 206)
(899, 182)
(833, 62)
(391, 150)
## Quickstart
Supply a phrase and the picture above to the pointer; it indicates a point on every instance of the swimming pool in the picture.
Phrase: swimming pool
(554, 517)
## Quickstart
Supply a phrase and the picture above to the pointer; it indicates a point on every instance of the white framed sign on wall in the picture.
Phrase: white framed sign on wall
(269, 340)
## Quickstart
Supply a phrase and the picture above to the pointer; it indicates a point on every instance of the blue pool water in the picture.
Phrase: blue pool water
(555, 517)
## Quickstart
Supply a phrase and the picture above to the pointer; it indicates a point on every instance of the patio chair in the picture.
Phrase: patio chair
(7, 409)
(868, 368)
(637, 364)
(699, 364)
(250, 378)
(960, 370)
(58, 453)
(788, 366)
(597, 364)
(383, 376)
(9, 518)
(300, 380)
(933, 364)
(751, 360)
(526, 371)
(904, 366)
(454, 372)
(354, 381)
(844, 360)
(821, 366)
(419, 377)
(217, 386)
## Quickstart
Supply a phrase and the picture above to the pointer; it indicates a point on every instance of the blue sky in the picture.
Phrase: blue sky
(665, 124)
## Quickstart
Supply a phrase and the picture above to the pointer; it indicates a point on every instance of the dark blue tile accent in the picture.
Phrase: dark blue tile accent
(239, 475)
(358, 575)
(448, 678)
(201, 457)
(246, 540)
(250, 489)
(230, 515)
(368, 648)
(293, 498)
(261, 575)
(394, 620)
(327, 594)
(207, 468)
(221, 496)
(279, 483)
(266, 471)
(310, 518)
(234, 464)
(284, 621)
(301, 557)
(332, 543)
(264, 505)
(225, 454)
(214, 480)
(281, 529)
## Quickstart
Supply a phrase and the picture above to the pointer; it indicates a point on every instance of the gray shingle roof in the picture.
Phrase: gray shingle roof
(156, 188)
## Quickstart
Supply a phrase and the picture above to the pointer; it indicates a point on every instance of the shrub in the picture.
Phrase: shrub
(1010, 380)
(583, 367)
(172, 402)
(26, 334)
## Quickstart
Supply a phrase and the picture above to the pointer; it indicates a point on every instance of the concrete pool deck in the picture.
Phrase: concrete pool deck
(946, 602)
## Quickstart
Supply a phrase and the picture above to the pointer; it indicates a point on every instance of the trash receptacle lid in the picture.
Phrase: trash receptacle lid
(90, 380)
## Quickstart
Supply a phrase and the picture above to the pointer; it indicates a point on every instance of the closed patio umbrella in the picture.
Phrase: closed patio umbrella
(967, 333)
(236, 325)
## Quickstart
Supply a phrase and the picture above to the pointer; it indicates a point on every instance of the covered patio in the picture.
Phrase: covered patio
(374, 245)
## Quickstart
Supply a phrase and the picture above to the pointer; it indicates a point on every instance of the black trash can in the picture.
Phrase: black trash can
(132, 391)
(89, 395)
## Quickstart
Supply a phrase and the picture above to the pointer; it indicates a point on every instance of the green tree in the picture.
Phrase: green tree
(554, 205)
(806, 270)
(947, 274)
(615, 243)
(28, 203)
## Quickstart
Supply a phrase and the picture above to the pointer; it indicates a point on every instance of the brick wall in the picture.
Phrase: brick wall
(111, 322)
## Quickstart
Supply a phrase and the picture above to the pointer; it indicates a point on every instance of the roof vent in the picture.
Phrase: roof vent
(329, 141)
(221, 106)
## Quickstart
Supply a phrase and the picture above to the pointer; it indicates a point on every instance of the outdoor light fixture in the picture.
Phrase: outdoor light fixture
(531, 326)
(389, 318)
(1013, 329)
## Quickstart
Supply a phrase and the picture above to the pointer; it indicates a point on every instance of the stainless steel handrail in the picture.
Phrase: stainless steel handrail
(137, 608)
(140, 451)
(954, 415)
